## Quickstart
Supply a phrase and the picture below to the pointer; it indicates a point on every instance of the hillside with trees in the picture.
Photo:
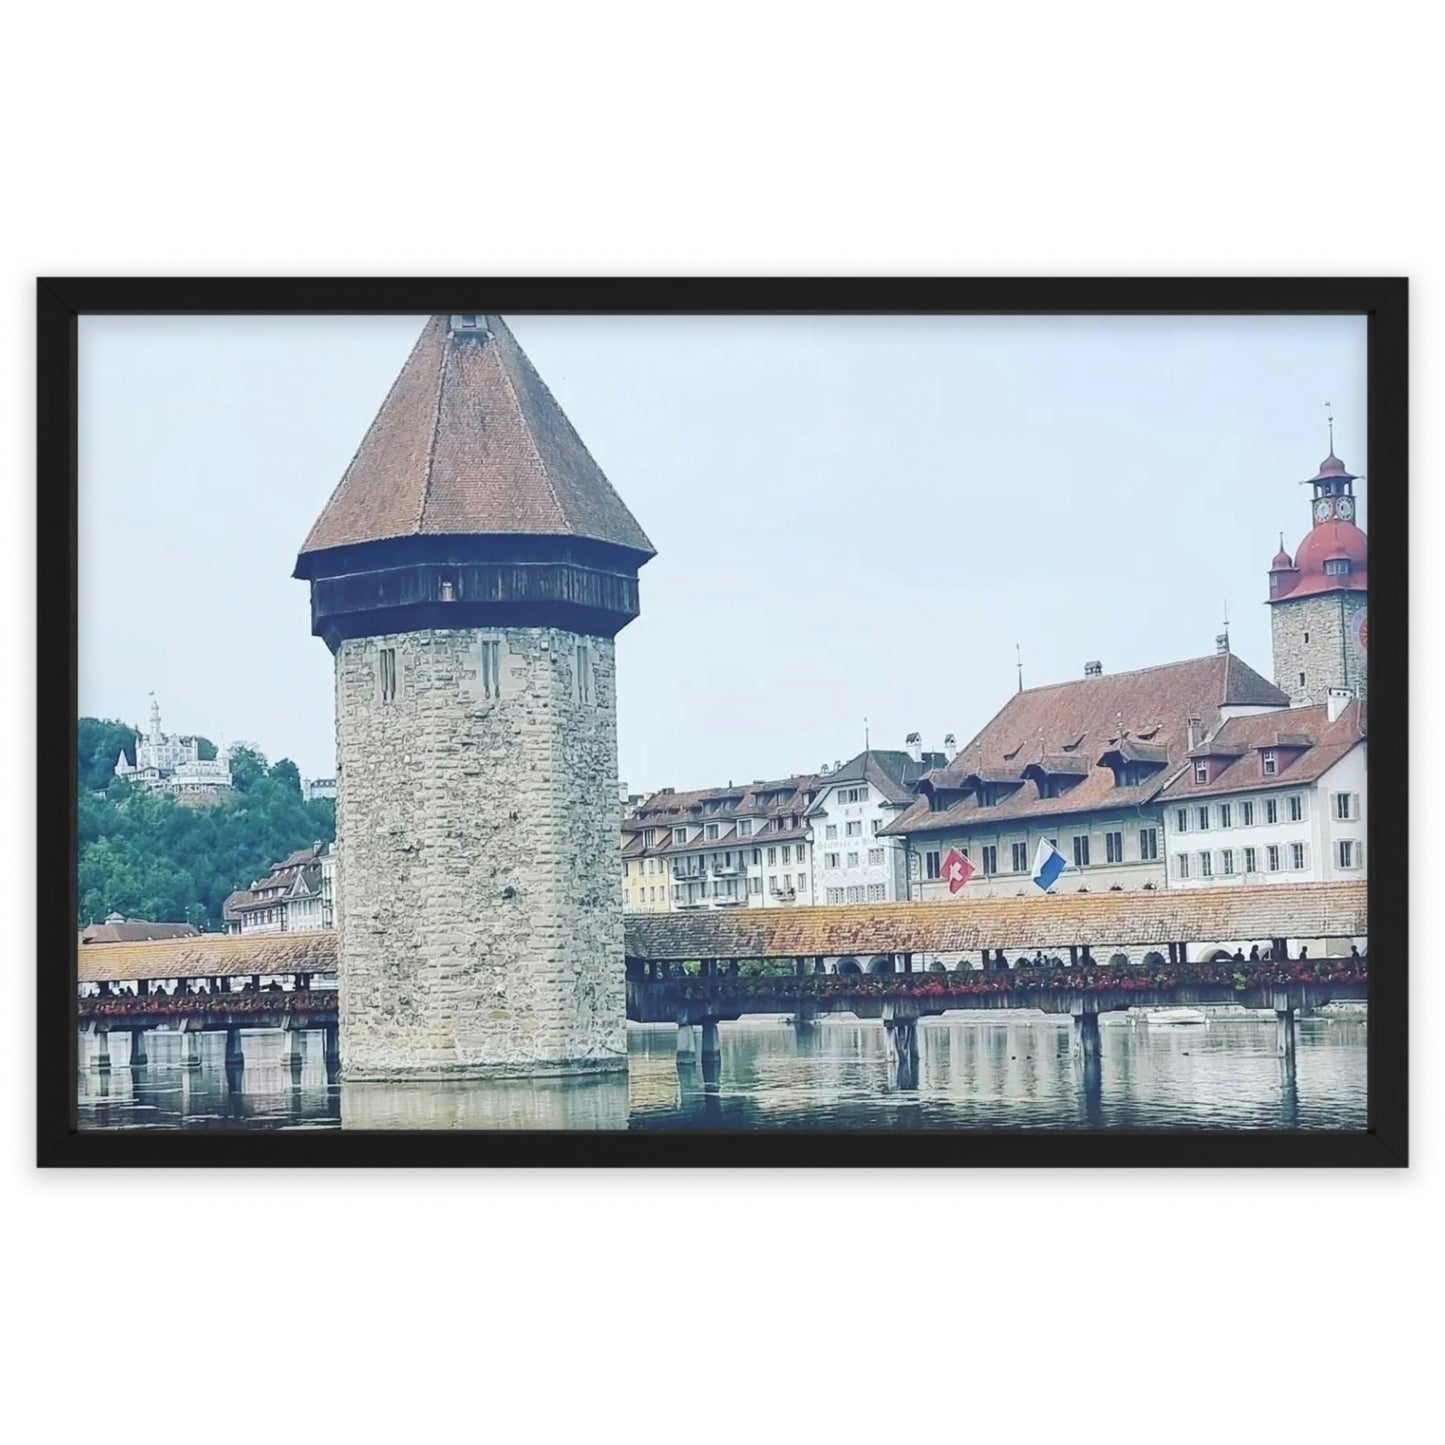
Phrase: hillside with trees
(146, 856)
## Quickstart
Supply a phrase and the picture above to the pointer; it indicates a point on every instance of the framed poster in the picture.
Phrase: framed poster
(722, 722)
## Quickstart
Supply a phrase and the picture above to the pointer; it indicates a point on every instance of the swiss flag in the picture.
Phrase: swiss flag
(957, 870)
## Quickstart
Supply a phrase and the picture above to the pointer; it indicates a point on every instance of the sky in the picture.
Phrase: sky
(855, 517)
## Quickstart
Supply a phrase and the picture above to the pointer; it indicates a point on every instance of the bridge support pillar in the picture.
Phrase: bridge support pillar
(100, 1057)
(711, 1058)
(190, 1049)
(291, 1049)
(1087, 1048)
(686, 1043)
(806, 1018)
(1284, 1035)
(234, 1057)
(901, 1037)
(137, 1048)
(331, 1049)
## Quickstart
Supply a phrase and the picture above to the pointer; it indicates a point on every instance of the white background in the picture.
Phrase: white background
(668, 139)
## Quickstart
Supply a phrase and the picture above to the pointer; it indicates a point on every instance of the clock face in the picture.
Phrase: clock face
(1322, 510)
(1346, 508)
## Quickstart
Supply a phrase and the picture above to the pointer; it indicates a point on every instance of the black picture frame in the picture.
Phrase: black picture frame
(60, 301)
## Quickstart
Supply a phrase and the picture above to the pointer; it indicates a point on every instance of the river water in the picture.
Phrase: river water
(975, 1072)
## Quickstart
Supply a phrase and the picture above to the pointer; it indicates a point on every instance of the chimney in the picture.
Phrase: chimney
(1337, 702)
(950, 743)
(913, 744)
(824, 770)
(1093, 669)
(1194, 731)
(1221, 642)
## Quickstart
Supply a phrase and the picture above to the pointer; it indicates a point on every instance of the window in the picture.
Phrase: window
(1181, 819)
(830, 832)
(491, 669)
(1271, 810)
(1021, 857)
(853, 795)
(1149, 845)
(852, 860)
(679, 835)
(772, 856)
(1297, 856)
(757, 856)
(990, 858)
(387, 666)
(930, 860)
(1267, 760)
(755, 885)
(1226, 816)
(1114, 847)
(875, 857)
(787, 852)
(1337, 566)
(745, 828)
(876, 893)
(1251, 860)
(1201, 771)
(1347, 853)
(1296, 808)
(1206, 865)
(787, 882)
(1081, 852)
(1246, 813)
(802, 881)
(877, 825)
(711, 831)
(1181, 865)
(1272, 857)
(1226, 862)
(835, 895)
(854, 830)
(584, 673)
(855, 895)
(830, 860)
(1301, 679)
(1346, 806)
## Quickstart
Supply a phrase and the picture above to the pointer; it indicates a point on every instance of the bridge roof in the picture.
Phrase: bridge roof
(208, 955)
(1100, 920)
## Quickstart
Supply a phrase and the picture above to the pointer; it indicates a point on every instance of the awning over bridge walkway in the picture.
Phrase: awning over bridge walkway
(207, 955)
(1053, 921)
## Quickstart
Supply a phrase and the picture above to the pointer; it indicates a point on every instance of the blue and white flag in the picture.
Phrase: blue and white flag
(1048, 864)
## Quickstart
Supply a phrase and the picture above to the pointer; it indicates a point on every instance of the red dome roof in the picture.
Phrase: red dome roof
(1281, 562)
(1332, 466)
(1329, 542)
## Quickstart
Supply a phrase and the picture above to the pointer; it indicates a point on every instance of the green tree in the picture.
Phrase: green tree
(205, 749)
(99, 742)
(285, 771)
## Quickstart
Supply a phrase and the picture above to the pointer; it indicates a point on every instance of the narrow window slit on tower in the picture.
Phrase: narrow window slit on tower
(584, 673)
(388, 674)
(491, 669)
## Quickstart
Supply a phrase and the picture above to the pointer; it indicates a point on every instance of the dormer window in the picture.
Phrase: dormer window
(1268, 763)
(1201, 771)
(1337, 566)
(448, 590)
(679, 835)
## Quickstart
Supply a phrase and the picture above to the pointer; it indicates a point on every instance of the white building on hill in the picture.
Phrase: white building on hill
(171, 763)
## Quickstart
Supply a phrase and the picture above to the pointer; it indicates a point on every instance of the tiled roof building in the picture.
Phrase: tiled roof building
(297, 895)
(732, 847)
(1276, 798)
(1080, 764)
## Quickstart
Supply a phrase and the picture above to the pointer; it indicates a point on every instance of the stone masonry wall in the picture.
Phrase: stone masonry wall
(480, 879)
(1330, 658)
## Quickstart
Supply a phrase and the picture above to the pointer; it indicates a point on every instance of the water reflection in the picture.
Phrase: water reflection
(974, 1072)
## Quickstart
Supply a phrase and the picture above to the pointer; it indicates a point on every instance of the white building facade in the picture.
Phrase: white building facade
(171, 763)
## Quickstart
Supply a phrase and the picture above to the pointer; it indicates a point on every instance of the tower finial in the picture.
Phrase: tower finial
(1018, 652)
(866, 745)
(1330, 418)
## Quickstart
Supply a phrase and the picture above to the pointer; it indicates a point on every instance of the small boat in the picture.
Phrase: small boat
(1176, 1016)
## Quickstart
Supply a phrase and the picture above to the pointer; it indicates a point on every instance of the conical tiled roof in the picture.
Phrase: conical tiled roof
(469, 441)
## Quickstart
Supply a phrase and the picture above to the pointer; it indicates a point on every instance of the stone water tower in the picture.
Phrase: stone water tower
(470, 574)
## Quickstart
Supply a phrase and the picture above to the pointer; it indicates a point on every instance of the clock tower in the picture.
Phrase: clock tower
(1318, 597)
